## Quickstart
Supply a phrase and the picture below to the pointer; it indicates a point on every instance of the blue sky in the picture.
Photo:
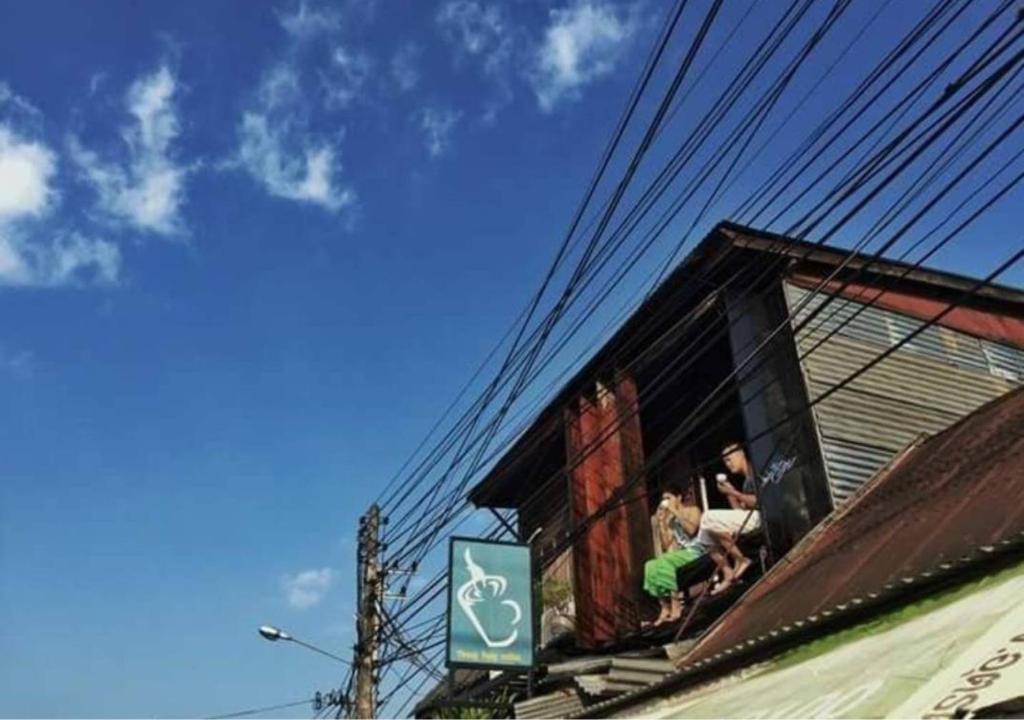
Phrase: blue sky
(248, 253)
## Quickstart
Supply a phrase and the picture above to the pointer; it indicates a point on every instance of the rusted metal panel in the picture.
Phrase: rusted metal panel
(925, 386)
(1001, 327)
(960, 491)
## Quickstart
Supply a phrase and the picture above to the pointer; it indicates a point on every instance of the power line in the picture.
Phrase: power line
(261, 710)
(887, 150)
(860, 183)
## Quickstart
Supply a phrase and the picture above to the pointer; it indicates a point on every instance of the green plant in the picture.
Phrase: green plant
(473, 712)
(556, 594)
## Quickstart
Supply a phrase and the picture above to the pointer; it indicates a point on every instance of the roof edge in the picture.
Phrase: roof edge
(893, 595)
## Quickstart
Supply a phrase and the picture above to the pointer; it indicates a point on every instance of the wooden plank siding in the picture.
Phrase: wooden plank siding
(608, 558)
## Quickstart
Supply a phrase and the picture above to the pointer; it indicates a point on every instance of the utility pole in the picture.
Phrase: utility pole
(371, 590)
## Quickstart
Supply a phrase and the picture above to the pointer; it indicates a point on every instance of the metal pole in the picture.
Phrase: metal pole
(368, 626)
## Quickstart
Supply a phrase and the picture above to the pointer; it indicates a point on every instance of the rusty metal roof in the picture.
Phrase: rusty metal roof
(960, 491)
(948, 507)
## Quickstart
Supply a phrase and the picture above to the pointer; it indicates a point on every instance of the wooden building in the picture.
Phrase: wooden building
(779, 327)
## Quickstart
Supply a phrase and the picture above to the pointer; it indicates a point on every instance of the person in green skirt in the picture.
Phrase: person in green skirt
(676, 522)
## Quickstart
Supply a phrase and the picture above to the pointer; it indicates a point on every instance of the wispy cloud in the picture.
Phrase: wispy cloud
(11, 103)
(31, 252)
(437, 125)
(405, 67)
(277, 143)
(68, 258)
(344, 77)
(481, 32)
(582, 43)
(19, 364)
(476, 29)
(96, 80)
(144, 188)
(306, 20)
(280, 152)
(307, 588)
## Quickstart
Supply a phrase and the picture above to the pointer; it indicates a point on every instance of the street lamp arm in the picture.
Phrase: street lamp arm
(273, 634)
(314, 648)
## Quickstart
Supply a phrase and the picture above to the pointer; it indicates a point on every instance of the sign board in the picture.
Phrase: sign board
(490, 604)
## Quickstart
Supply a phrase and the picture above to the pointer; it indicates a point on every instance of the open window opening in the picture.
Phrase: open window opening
(682, 441)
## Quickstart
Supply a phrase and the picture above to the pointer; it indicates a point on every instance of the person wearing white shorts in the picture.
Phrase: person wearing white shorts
(734, 522)
(720, 528)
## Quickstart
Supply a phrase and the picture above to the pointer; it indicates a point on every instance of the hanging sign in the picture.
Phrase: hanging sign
(490, 604)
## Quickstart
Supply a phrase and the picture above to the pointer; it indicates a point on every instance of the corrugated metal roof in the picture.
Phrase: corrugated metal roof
(590, 678)
(849, 464)
(557, 704)
(961, 490)
(734, 658)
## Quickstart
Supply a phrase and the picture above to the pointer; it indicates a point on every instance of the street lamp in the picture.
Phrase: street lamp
(273, 634)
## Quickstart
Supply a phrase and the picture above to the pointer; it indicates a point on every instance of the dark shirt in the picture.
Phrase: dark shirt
(750, 486)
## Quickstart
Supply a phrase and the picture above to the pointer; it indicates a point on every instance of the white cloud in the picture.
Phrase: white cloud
(476, 29)
(313, 28)
(278, 151)
(404, 68)
(437, 125)
(19, 104)
(19, 364)
(344, 77)
(307, 21)
(307, 588)
(29, 254)
(311, 18)
(146, 190)
(26, 170)
(70, 258)
(277, 144)
(481, 32)
(95, 81)
(582, 43)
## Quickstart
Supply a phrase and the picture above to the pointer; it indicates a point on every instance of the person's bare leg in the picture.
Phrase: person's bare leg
(675, 608)
(722, 563)
(740, 561)
(728, 544)
(666, 610)
(663, 602)
(741, 567)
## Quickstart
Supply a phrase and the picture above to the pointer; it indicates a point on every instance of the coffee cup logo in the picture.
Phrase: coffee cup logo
(484, 588)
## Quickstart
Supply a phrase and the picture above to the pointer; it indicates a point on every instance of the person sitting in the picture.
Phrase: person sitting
(720, 528)
(676, 523)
